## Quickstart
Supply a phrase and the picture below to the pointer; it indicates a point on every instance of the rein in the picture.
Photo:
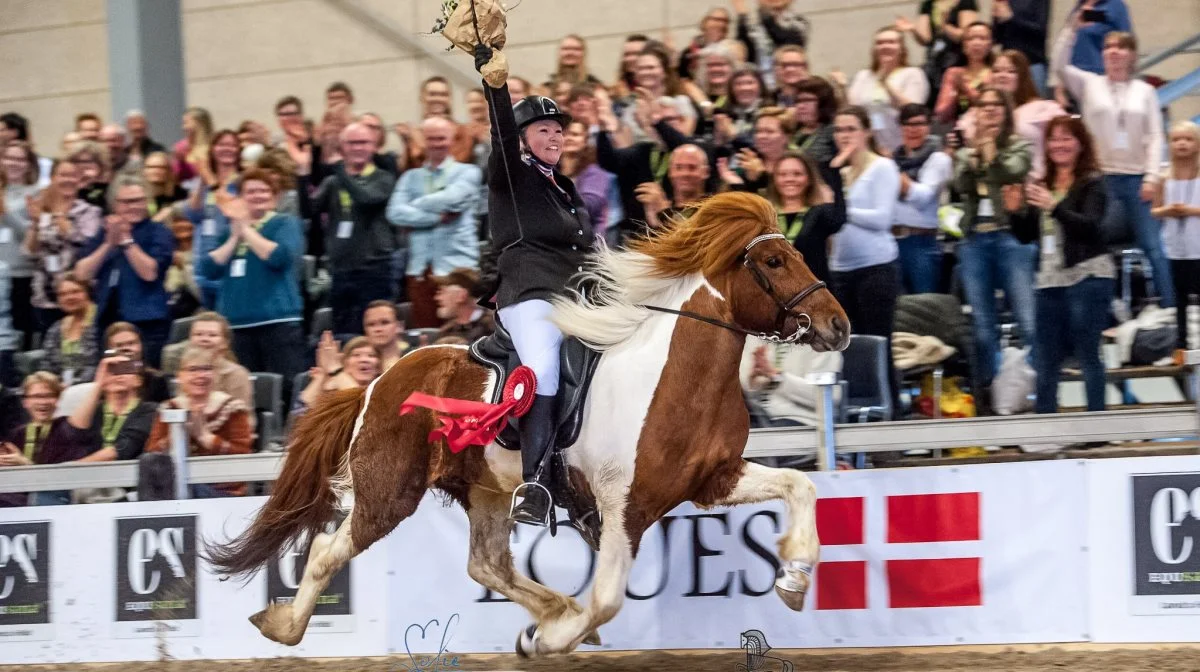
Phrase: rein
(785, 309)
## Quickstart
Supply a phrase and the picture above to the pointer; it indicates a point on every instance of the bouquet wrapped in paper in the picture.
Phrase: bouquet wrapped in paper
(458, 24)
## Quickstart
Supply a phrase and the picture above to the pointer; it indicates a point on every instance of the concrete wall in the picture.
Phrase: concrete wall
(242, 55)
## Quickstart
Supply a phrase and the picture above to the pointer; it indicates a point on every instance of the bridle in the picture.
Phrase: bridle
(785, 308)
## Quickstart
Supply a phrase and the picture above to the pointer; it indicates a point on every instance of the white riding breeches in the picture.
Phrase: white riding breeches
(536, 339)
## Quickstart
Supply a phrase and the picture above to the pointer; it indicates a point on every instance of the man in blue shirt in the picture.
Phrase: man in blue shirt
(435, 204)
(128, 262)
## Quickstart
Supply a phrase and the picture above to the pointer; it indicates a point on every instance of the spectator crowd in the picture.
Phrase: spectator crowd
(1013, 161)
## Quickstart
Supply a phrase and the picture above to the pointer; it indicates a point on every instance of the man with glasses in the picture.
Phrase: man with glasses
(925, 170)
(791, 68)
(127, 263)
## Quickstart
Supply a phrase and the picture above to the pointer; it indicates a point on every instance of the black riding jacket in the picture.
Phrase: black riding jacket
(543, 232)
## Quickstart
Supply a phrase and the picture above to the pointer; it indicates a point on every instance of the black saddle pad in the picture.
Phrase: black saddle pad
(578, 363)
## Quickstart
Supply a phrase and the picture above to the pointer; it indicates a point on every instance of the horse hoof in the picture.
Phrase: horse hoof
(794, 599)
(592, 639)
(273, 623)
(527, 641)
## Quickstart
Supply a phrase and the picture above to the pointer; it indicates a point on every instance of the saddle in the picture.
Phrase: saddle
(577, 365)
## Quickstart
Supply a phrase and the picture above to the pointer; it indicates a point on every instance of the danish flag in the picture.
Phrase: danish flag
(911, 583)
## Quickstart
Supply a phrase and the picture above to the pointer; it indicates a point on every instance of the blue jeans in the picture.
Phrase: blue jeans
(1039, 73)
(1124, 192)
(920, 264)
(1071, 319)
(987, 262)
(52, 498)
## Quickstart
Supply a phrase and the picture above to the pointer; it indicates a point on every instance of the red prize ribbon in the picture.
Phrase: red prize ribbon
(475, 423)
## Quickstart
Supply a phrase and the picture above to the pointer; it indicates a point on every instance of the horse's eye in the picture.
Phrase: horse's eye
(774, 262)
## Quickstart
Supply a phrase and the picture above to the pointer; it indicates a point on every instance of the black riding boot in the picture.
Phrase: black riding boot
(537, 439)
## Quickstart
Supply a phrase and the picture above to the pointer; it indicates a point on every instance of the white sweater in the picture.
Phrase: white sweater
(866, 238)
(1124, 117)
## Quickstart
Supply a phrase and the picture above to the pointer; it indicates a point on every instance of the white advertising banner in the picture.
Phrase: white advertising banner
(955, 555)
(124, 582)
(944, 555)
(1144, 519)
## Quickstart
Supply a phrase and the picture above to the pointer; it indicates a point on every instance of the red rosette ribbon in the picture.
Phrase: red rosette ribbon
(465, 423)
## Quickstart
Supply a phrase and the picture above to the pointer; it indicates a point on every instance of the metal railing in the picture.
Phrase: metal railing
(826, 441)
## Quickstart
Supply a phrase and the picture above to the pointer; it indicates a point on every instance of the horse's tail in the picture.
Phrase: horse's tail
(302, 500)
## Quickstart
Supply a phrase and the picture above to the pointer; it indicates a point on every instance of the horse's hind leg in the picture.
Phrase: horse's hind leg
(799, 547)
(491, 563)
(328, 553)
(386, 491)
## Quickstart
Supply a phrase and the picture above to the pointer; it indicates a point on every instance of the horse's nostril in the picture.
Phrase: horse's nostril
(840, 327)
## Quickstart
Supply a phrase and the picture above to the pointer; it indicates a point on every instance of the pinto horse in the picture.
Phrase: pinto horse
(665, 423)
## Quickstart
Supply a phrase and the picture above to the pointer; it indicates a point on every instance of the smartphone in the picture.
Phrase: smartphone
(1094, 16)
(125, 368)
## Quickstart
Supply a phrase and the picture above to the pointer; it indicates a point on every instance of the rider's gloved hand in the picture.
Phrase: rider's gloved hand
(483, 54)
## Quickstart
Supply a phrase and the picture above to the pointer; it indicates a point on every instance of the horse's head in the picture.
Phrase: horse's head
(734, 240)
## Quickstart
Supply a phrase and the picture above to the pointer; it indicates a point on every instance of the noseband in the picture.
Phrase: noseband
(785, 307)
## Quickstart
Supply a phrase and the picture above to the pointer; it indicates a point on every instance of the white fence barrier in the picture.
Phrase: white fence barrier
(1167, 423)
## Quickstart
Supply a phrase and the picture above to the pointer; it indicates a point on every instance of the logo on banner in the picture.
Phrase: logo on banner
(1166, 539)
(754, 643)
(911, 583)
(156, 572)
(24, 576)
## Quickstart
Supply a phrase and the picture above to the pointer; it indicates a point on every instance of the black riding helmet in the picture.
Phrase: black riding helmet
(535, 108)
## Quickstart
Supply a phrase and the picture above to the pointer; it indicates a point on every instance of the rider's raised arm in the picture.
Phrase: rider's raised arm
(506, 139)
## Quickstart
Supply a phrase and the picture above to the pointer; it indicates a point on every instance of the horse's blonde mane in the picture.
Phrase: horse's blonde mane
(661, 269)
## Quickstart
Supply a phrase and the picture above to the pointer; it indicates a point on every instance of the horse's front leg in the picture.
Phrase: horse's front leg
(613, 564)
(799, 547)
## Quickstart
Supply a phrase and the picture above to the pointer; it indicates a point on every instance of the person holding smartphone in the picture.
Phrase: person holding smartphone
(1096, 19)
(112, 422)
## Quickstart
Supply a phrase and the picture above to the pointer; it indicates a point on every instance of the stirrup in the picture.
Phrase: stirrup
(549, 498)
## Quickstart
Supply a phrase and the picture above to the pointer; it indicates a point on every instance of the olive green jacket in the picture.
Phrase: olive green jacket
(1011, 166)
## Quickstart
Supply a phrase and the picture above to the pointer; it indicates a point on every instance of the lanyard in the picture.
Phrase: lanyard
(344, 196)
(658, 163)
(1119, 103)
(113, 424)
(242, 247)
(797, 224)
(33, 439)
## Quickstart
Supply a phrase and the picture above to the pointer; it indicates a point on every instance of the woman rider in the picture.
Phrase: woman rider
(540, 225)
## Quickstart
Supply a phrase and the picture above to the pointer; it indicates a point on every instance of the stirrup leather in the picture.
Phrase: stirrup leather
(550, 498)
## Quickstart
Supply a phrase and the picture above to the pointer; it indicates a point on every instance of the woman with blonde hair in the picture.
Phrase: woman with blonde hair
(192, 151)
(211, 331)
(1177, 205)
(572, 63)
(888, 85)
(62, 223)
(217, 423)
(164, 187)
